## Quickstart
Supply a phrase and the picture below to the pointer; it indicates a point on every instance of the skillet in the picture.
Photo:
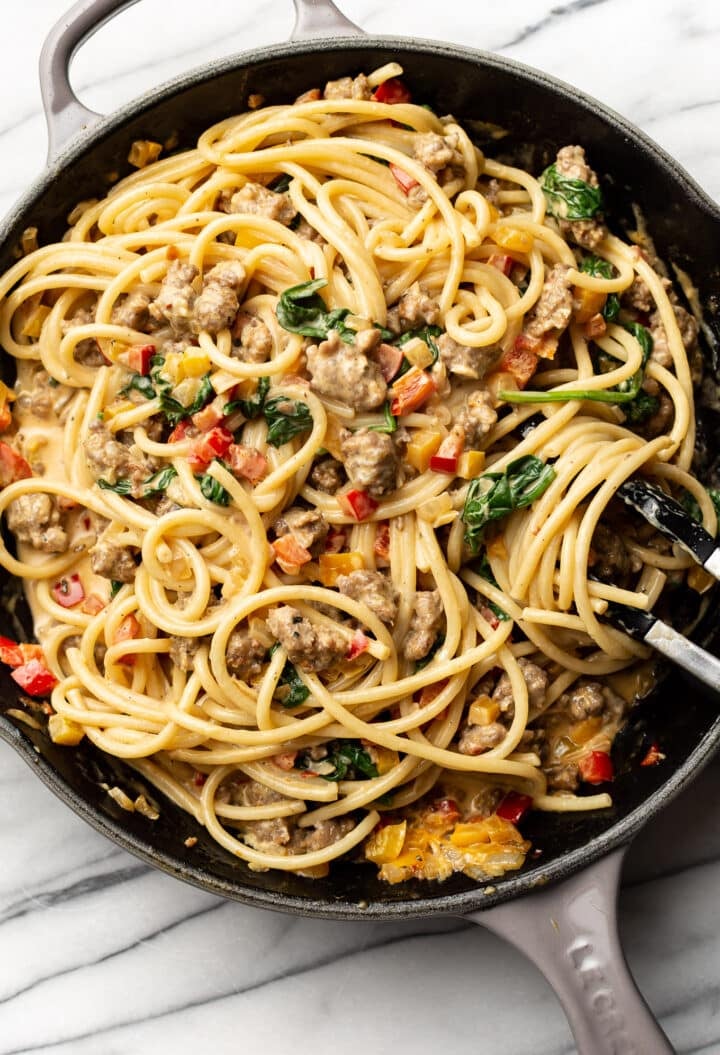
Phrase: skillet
(568, 925)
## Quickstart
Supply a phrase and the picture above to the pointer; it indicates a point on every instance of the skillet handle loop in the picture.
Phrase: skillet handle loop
(64, 113)
(320, 19)
(570, 933)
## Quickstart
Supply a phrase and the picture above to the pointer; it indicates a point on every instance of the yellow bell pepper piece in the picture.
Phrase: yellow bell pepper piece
(64, 731)
(423, 444)
(332, 565)
(471, 464)
(512, 238)
(386, 844)
(194, 363)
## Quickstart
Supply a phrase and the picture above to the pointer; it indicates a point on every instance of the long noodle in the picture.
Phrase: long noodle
(143, 666)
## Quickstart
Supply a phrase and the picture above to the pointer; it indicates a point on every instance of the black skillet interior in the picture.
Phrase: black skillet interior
(476, 89)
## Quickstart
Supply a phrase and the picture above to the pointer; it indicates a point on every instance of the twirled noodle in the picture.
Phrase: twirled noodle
(261, 566)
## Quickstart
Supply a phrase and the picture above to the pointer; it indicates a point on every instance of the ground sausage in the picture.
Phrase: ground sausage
(111, 461)
(217, 305)
(585, 701)
(424, 626)
(309, 646)
(373, 589)
(371, 460)
(348, 88)
(475, 739)
(661, 421)
(252, 340)
(571, 162)
(307, 526)
(437, 152)
(464, 361)
(267, 835)
(477, 418)
(244, 655)
(174, 303)
(35, 518)
(87, 352)
(688, 333)
(609, 556)
(553, 309)
(327, 475)
(638, 296)
(113, 561)
(325, 833)
(563, 777)
(415, 308)
(345, 373)
(536, 680)
(132, 311)
(182, 652)
(255, 200)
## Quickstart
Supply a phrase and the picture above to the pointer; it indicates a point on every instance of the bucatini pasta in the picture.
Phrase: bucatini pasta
(310, 463)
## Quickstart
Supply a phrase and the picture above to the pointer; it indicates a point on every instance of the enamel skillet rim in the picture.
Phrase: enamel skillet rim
(617, 834)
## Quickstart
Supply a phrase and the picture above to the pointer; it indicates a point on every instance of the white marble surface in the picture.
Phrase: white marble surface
(99, 955)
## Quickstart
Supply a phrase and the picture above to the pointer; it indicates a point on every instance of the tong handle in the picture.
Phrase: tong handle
(644, 626)
(672, 521)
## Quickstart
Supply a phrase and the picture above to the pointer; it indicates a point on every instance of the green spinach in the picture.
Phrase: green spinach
(302, 310)
(568, 198)
(154, 485)
(494, 496)
(252, 407)
(286, 418)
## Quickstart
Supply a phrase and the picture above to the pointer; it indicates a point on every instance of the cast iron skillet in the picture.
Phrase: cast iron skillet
(569, 928)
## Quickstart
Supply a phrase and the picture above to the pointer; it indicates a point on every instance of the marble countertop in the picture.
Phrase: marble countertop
(100, 955)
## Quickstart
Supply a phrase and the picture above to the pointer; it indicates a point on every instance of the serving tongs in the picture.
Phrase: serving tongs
(676, 524)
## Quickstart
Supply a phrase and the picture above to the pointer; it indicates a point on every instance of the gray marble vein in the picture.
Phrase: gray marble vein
(100, 955)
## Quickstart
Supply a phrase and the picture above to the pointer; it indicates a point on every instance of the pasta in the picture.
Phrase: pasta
(311, 462)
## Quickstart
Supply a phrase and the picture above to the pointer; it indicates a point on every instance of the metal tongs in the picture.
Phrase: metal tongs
(672, 521)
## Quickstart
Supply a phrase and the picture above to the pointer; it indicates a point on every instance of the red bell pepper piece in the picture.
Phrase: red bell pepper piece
(410, 391)
(35, 678)
(596, 768)
(14, 654)
(69, 591)
(12, 466)
(519, 362)
(139, 358)
(336, 539)
(210, 415)
(285, 760)
(381, 547)
(357, 504)
(443, 813)
(359, 644)
(392, 91)
(183, 430)
(514, 807)
(445, 459)
(212, 444)
(93, 604)
(404, 180)
(290, 555)
(654, 755)
(128, 630)
(502, 261)
(247, 462)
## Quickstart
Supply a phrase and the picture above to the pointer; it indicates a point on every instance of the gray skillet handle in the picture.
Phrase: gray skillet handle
(570, 932)
(66, 115)
(321, 18)
(64, 112)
